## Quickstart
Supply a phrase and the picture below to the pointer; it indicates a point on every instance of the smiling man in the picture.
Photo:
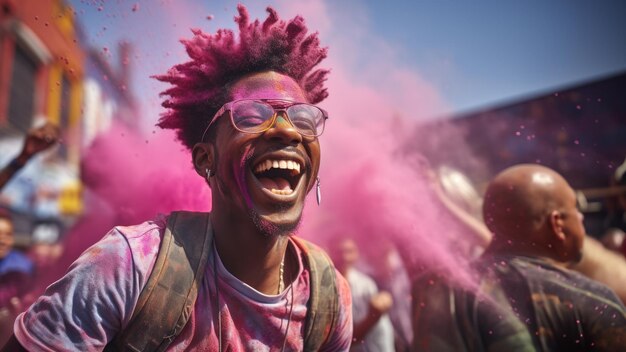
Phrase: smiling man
(235, 279)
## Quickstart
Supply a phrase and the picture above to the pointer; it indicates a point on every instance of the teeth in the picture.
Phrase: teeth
(282, 192)
(278, 164)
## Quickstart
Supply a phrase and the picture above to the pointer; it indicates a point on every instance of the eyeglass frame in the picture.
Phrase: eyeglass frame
(290, 103)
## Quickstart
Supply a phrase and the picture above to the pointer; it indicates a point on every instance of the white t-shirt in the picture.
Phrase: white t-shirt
(380, 336)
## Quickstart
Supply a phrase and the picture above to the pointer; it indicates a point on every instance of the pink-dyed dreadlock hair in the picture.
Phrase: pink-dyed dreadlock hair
(199, 85)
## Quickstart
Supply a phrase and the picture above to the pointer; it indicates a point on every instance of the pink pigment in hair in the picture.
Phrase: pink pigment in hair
(197, 86)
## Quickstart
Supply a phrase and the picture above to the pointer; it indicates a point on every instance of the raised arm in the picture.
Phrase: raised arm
(37, 140)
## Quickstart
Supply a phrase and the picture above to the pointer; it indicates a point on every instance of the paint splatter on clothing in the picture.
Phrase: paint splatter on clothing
(95, 299)
(522, 304)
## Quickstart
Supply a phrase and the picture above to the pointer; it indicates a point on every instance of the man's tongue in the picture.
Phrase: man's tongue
(277, 183)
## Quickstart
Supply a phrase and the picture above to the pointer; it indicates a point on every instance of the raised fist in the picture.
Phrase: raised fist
(41, 138)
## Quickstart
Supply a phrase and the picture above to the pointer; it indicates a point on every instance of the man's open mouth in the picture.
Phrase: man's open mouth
(279, 176)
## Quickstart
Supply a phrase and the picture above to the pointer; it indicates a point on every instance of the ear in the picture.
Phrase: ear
(556, 224)
(203, 156)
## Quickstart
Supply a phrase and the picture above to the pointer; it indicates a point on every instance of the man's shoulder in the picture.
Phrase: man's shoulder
(141, 242)
(312, 256)
(559, 280)
(529, 267)
(307, 246)
(592, 289)
(550, 272)
(147, 228)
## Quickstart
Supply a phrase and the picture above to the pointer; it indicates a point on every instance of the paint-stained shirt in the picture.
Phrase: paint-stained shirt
(520, 304)
(85, 309)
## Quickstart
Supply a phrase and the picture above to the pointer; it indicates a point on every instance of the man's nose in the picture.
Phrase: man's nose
(284, 131)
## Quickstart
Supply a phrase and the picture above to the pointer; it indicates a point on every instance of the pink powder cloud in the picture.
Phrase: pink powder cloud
(370, 190)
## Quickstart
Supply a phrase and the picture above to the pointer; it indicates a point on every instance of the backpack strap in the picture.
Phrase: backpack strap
(323, 305)
(166, 302)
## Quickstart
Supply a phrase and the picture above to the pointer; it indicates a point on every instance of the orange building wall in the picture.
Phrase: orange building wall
(52, 21)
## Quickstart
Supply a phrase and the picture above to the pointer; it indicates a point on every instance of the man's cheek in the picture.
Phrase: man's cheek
(240, 168)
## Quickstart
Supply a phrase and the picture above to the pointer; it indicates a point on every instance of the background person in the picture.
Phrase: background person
(16, 274)
(37, 140)
(373, 330)
(525, 298)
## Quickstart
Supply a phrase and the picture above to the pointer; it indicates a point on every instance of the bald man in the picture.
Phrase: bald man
(524, 299)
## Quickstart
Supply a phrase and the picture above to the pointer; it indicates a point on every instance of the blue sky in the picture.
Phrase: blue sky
(483, 52)
(472, 54)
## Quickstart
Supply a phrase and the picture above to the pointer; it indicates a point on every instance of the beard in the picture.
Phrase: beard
(270, 229)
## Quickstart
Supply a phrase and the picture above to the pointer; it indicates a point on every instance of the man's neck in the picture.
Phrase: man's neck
(248, 254)
(519, 249)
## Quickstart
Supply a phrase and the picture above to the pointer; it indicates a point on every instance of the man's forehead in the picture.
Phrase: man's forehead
(267, 85)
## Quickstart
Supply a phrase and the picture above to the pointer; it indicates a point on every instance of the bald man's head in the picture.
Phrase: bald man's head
(531, 207)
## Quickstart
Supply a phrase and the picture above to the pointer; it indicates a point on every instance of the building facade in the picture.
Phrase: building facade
(41, 79)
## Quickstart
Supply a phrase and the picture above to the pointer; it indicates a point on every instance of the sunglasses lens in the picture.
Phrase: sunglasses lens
(308, 119)
(251, 115)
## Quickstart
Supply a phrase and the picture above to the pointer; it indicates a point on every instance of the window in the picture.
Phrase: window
(22, 91)
(64, 117)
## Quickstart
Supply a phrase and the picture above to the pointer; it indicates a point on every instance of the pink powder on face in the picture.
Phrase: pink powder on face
(241, 175)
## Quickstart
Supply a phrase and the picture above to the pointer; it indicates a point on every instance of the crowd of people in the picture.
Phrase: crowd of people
(18, 270)
(239, 279)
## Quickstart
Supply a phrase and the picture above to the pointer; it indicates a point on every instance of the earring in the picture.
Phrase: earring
(208, 174)
(318, 192)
